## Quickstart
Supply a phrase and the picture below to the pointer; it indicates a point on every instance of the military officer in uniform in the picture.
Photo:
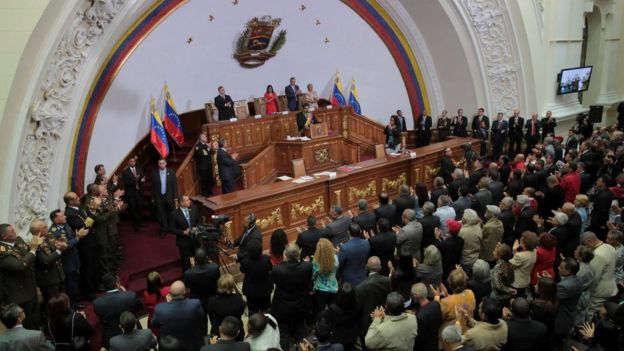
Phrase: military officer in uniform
(17, 274)
(48, 265)
(70, 258)
(203, 160)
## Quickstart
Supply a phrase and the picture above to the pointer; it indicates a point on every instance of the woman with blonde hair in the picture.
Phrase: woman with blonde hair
(324, 270)
(457, 296)
(228, 302)
(581, 202)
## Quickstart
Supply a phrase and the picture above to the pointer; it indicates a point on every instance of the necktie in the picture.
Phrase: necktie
(133, 172)
(532, 127)
(188, 218)
(500, 126)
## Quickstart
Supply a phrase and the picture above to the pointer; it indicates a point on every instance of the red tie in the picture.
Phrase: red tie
(532, 127)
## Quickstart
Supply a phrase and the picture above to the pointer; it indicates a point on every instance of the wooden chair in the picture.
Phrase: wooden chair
(298, 166)
(241, 109)
(260, 106)
(211, 112)
(282, 103)
(380, 151)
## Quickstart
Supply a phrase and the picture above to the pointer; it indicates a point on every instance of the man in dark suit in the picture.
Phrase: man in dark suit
(371, 292)
(423, 127)
(402, 121)
(224, 104)
(438, 190)
(305, 118)
(462, 203)
(383, 244)
(533, 136)
(385, 209)
(602, 205)
(496, 186)
(429, 317)
(202, 280)
(132, 338)
(132, 177)
(573, 229)
(500, 129)
(308, 239)
(352, 257)
(291, 297)
(251, 232)
(17, 337)
(429, 223)
(76, 217)
(516, 127)
(292, 94)
(459, 124)
(182, 221)
(203, 159)
(17, 273)
(478, 118)
(336, 231)
(228, 330)
(572, 142)
(111, 305)
(459, 180)
(228, 167)
(164, 192)
(180, 318)
(365, 218)
(508, 217)
(525, 220)
(524, 333)
(447, 166)
(548, 125)
(403, 202)
(569, 291)
(70, 258)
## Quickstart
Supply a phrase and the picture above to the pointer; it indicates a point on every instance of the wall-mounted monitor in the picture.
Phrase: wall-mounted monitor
(574, 80)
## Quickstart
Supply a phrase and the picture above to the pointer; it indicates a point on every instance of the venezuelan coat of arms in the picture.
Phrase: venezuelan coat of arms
(256, 44)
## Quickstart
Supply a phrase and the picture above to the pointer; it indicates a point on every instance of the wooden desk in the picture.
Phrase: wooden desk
(286, 204)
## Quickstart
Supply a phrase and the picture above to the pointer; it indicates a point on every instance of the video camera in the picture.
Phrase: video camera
(212, 231)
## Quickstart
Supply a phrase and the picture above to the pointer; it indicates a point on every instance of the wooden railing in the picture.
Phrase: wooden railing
(188, 181)
(261, 169)
(365, 131)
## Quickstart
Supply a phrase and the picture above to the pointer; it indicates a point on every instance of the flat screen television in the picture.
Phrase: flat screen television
(574, 80)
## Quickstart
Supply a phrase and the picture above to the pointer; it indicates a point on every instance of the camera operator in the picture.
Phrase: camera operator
(251, 232)
(584, 127)
(183, 220)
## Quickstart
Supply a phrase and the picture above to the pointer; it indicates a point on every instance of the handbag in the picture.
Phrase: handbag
(77, 342)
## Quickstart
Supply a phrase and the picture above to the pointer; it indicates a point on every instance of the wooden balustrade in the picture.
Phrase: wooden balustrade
(261, 169)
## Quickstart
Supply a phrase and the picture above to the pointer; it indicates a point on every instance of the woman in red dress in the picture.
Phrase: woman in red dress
(271, 100)
(546, 256)
(154, 294)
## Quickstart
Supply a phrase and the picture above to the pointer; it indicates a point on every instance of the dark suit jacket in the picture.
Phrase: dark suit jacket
(429, 223)
(602, 204)
(402, 203)
(383, 245)
(386, 211)
(352, 259)
(181, 319)
(336, 231)
(446, 168)
(301, 120)
(19, 338)
(429, 320)
(202, 280)
(178, 224)
(292, 290)
(307, 241)
(171, 186)
(453, 188)
(366, 220)
(371, 293)
(291, 96)
(509, 221)
(257, 282)
(497, 188)
(228, 167)
(459, 129)
(255, 234)
(225, 112)
(525, 222)
(451, 249)
(460, 205)
(573, 231)
(227, 345)
(130, 182)
(516, 130)
(498, 136)
(110, 306)
(436, 194)
(525, 334)
(475, 122)
(136, 340)
(568, 292)
(538, 125)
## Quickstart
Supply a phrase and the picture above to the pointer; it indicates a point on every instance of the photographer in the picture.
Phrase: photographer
(183, 220)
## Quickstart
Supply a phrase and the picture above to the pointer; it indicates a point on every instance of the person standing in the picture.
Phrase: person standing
(132, 338)
(182, 221)
(17, 273)
(459, 124)
(224, 104)
(164, 191)
(203, 160)
(480, 118)
(423, 127)
(251, 233)
(292, 94)
(516, 126)
(311, 97)
(305, 118)
(444, 126)
(548, 125)
(228, 167)
(532, 133)
(352, 257)
(270, 100)
(132, 177)
(17, 336)
(402, 121)
(48, 267)
(500, 129)
(392, 328)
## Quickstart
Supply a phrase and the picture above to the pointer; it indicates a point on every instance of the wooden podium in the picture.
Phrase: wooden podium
(317, 130)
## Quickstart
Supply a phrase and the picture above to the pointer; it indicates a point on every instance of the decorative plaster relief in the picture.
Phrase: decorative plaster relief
(48, 112)
(493, 36)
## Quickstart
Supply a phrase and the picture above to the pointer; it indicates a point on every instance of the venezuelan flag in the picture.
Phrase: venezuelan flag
(158, 136)
(337, 98)
(172, 120)
(354, 100)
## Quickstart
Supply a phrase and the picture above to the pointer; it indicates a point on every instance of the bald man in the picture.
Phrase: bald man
(372, 291)
(181, 318)
(49, 267)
